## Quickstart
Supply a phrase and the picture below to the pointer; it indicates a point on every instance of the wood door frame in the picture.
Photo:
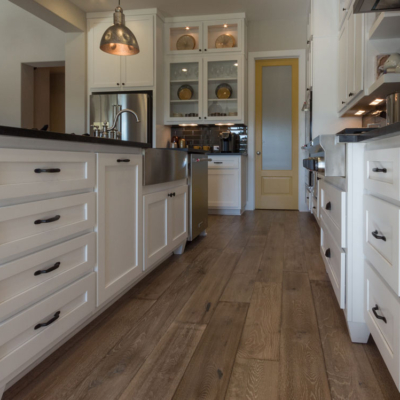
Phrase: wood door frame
(266, 55)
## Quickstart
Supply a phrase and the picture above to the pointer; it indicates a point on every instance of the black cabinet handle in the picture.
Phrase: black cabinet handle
(328, 253)
(173, 194)
(124, 160)
(374, 310)
(49, 322)
(351, 94)
(46, 271)
(344, 9)
(169, 194)
(218, 162)
(328, 206)
(46, 221)
(384, 170)
(377, 236)
(47, 170)
(117, 84)
(343, 102)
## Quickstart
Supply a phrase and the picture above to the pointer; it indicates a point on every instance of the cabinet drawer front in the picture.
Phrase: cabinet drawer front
(29, 279)
(382, 172)
(20, 341)
(333, 211)
(335, 262)
(231, 162)
(380, 302)
(33, 172)
(381, 238)
(24, 227)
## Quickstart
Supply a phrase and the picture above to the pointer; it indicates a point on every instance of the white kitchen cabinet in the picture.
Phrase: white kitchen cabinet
(204, 75)
(165, 223)
(227, 184)
(119, 216)
(121, 72)
(342, 82)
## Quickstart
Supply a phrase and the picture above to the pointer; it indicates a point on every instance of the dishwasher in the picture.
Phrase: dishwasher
(198, 194)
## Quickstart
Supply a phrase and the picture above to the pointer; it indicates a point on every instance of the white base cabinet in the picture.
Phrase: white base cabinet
(227, 184)
(165, 223)
(119, 219)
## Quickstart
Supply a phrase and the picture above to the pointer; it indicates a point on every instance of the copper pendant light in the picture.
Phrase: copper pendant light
(118, 39)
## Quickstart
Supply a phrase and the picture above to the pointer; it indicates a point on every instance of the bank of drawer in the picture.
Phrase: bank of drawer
(35, 172)
(382, 172)
(333, 211)
(335, 261)
(314, 205)
(381, 239)
(20, 230)
(381, 302)
(230, 162)
(21, 337)
(32, 278)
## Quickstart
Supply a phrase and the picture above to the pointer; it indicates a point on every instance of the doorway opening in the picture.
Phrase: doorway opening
(43, 96)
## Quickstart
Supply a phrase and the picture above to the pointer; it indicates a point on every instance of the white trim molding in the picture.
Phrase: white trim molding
(265, 55)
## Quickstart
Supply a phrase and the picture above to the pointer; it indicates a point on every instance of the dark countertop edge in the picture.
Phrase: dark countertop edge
(36, 134)
(198, 151)
(370, 134)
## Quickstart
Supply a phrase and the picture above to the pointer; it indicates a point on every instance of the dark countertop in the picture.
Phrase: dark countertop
(368, 134)
(198, 151)
(36, 134)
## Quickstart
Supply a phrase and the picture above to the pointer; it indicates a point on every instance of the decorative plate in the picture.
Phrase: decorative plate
(185, 92)
(186, 42)
(223, 91)
(225, 41)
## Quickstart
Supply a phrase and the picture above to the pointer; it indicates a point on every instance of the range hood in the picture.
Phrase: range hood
(368, 6)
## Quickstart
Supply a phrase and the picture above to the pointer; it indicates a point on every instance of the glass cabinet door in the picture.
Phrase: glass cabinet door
(223, 36)
(185, 94)
(184, 38)
(223, 88)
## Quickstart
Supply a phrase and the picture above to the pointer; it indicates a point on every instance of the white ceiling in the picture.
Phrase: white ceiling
(254, 9)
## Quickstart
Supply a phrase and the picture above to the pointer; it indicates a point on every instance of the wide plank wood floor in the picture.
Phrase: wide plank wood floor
(246, 313)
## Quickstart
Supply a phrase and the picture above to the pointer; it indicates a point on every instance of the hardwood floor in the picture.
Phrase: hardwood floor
(246, 313)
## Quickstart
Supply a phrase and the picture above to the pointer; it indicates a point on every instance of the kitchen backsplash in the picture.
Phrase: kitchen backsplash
(209, 135)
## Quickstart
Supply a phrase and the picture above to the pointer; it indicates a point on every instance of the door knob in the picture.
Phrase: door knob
(258, 153)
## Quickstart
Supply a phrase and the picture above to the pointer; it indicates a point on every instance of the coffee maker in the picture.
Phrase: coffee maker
(230, 143)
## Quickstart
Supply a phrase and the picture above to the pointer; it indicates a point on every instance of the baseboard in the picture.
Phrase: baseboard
(224, 211)
(359, 332)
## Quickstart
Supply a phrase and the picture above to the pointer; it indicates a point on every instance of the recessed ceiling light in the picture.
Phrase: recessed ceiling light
(184, 70)
(360, 112)
(225, 25)
(376, 102)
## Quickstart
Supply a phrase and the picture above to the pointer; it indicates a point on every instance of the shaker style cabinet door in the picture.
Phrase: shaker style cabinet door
(342, 87)
(119, 214)
(178, 216)
(138, 70)
(104, 70)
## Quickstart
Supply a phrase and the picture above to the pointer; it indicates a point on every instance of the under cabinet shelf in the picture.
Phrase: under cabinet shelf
(222, 100)
(185, 81)
(385, 85)
(222, 79)
(184, 101)
(386, 26)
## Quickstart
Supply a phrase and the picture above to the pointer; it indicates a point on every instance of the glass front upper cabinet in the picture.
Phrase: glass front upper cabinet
(184, 38)
(224, 89)
(223, 36)
(185, 91)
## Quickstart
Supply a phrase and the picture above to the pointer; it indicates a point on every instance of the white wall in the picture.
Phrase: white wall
(25, 39)
(285, 34)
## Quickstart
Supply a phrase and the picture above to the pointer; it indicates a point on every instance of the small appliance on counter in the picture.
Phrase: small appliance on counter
(230, 143)
(393, 108)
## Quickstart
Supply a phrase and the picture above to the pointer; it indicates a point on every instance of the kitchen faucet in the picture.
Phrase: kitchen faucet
(111, 133)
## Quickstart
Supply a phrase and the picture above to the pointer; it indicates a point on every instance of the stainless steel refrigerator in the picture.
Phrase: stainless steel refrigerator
(104, 107)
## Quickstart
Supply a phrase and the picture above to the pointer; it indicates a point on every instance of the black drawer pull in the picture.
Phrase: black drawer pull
(374, 310)
(124, 160)
(328, 253)
(328, 206)
(49, 322)
(173, 194)
(46, 271)
(169, 194)
(377, 236)
(47, 170)
(46, 221)
(384, 170)
(218, 162)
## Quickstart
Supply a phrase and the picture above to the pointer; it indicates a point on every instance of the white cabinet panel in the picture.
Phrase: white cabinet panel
(119, 215)
(104, 69)
(34, 172)
(342, 86)
(358, 53)
(155, 227)
(22, 337)
(350, 55)
(138, 70)
(223, 188)
(178, 211)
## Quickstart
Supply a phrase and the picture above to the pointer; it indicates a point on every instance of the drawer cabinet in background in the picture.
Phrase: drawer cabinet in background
(26, 173)
(381, 239)
(32, 278)
(26, 334)
(25, 227)
(382, 172)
